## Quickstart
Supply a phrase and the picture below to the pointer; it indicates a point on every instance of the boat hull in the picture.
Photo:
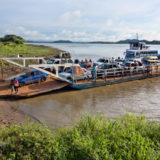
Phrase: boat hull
(85, 85)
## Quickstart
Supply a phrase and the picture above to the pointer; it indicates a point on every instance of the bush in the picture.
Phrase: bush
(12, 38)
(92, 138)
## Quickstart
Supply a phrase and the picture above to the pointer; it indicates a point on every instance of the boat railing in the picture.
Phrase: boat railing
(129, 71)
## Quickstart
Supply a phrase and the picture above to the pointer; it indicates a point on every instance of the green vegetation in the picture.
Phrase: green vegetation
(12, 45)
(12, 38)
(92, 138)
(26, 50)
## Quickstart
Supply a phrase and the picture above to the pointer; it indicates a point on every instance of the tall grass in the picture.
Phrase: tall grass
(92, 138)
(26, 50)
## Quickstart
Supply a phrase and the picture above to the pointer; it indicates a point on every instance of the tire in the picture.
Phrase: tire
(43, 79)
(21, 84)
(69, 78)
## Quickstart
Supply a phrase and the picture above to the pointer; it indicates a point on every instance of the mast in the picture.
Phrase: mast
(137, 36)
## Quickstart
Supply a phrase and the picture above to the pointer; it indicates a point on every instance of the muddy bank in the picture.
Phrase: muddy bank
(9, 115)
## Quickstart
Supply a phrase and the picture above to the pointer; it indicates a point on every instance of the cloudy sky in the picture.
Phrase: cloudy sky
(80, 20)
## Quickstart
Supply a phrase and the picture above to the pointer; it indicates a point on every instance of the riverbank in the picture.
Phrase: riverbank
(9, 115)
(128, 137)
(27, 50)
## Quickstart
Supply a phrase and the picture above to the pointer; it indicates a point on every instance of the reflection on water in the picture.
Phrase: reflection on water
(141, 96)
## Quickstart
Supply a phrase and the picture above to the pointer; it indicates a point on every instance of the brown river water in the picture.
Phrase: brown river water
(63, 108)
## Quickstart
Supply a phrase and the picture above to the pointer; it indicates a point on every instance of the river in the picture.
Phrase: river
(63, 108)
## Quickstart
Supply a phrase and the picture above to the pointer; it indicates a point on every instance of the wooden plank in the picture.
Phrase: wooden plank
(32, 89)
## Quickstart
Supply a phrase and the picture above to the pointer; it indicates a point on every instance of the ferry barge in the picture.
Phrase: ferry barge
(78, 78)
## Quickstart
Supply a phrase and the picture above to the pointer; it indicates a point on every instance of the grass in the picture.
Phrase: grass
(27, 50)
(92, 138)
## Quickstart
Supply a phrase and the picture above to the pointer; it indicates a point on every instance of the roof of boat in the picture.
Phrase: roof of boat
(144, 50)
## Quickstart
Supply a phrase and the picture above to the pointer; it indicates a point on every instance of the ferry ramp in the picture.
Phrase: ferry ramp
(32, 89)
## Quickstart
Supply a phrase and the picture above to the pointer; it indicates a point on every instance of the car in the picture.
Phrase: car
(104, 60)
(59, 61)
(69, 74)
(109, 69)
(29, 77)
(87, 65)
(133, 67)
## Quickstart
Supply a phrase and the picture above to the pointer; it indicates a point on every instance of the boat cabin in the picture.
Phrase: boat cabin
(139, 50)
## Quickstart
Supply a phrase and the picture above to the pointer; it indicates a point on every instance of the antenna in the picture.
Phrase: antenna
(137, 36)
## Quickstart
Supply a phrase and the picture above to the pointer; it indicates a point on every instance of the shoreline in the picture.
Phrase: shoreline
(9, 115)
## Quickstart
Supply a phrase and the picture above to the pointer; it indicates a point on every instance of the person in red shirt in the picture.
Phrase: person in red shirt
(16, 85)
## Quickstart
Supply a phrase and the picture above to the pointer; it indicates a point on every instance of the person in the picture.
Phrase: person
(12, 87)
(94, 72)
(16, 85)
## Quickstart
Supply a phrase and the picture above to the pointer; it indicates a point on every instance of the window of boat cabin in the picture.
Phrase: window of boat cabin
(145, 54)
(130, 54)
(137, 54)
(134, 45)
(154, 53)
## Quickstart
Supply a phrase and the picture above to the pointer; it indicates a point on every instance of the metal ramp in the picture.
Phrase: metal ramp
(42, 68)
(23, 59)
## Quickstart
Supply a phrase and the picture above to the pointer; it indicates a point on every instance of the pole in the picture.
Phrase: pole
(1, 69)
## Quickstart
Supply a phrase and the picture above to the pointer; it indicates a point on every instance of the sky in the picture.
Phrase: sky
(80, 20)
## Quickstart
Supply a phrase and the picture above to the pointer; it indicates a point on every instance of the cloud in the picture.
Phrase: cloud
(70, 17)
(26, 34)
(112, 34)
(81, 20)
(109, 23)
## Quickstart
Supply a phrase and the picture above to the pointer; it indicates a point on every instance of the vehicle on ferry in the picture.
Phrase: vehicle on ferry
(104, 60)
(151, 60)
(28, 77)
(111, 68)
(139, 50)
(133, 66)
(76, 73)
(60, 58)
(87, 65)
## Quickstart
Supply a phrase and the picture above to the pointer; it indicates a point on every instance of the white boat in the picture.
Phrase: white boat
(139, 50)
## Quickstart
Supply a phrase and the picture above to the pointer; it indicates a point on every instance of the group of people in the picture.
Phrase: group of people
(14, 86)
(86, 61)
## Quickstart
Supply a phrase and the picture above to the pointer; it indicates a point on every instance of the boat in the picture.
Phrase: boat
(139, 50)
(79, 78)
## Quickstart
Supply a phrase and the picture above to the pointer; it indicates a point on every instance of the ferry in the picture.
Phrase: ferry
(138, 50)
(78, 78)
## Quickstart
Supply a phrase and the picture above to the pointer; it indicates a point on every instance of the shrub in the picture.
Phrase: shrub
(12, 38)
(92, 138)
(27, 141)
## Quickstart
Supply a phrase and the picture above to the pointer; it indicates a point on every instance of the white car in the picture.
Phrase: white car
(69, 75)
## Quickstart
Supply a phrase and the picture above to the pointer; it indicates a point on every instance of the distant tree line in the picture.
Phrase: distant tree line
(12, 38)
